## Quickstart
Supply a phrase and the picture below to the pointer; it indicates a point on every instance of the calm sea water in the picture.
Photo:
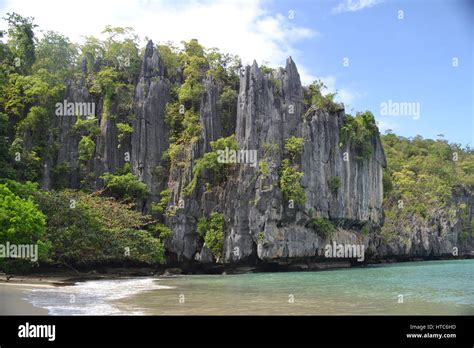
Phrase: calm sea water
(434, 287)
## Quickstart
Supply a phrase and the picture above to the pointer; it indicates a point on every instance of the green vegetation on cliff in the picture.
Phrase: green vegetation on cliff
(313, 96)
(210, 161)
(359, 132)
(100, 221)
(211, 231)
(419, 183)
(290, 176)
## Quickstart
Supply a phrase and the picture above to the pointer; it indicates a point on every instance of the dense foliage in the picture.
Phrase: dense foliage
(314, 96)
(212, 231)
(125, 186)
(21, 223)
(359, 132)
(80, 228)
(419, 183)
(182, 113)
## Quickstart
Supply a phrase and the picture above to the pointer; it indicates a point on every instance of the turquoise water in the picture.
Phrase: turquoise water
(429, 288)
(435, 287)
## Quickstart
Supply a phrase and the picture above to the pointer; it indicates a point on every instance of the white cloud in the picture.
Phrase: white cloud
(344, 95)
(242, 27)
(385, 125)
(354, 5)
(245, 28)
(330, 82)
(305, 76)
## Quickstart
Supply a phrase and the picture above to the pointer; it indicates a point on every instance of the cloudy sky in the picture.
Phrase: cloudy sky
(370, 51)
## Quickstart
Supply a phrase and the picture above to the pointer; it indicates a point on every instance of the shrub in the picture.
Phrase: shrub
(293, 147)
(87, 229)
(143, 247)
(227, 104)
(214, 240)
(86, 148)
(210, 161)
(162, 230)
(174, 120)
(266, 69)
(263, 168)
(126, 186)
(359, 132)
(160, 207)
(387, 183)
(323, 227)
(313, 95)
(170, 56)
(261, 237)
(212, 231)
(125, 131)
(334, 184)
(290, 184)
(290, 177)
(21, 222)
(365, 231)
(88, 126)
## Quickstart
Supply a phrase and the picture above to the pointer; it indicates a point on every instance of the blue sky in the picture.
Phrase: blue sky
(407, 60)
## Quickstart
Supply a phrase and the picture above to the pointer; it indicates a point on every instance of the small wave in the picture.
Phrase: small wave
(92, 297)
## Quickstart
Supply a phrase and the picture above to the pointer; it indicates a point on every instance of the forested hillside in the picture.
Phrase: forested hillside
(428, 191)
(109, 155)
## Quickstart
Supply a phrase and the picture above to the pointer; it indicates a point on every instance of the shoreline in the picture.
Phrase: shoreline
(14, 290)
(65, 277)
(14, 300)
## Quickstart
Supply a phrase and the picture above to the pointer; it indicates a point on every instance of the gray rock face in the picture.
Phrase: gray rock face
(108, 157)
(268, 113)
(360, 194)
(76, 92)
(184, 242)
(208, 115)
(262, 224)
(441, 234)
(150, 136)
(259, 223)
(148, 141)
(464, 195)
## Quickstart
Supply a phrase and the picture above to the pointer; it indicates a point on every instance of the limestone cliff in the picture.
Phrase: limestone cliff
(260, 225)
(150, 135)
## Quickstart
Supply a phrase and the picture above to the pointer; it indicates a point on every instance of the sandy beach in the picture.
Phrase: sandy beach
(14, 290)
(13, 293)
(13, 302)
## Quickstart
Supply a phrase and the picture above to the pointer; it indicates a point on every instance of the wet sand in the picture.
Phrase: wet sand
(14, 290)
(12, 300)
